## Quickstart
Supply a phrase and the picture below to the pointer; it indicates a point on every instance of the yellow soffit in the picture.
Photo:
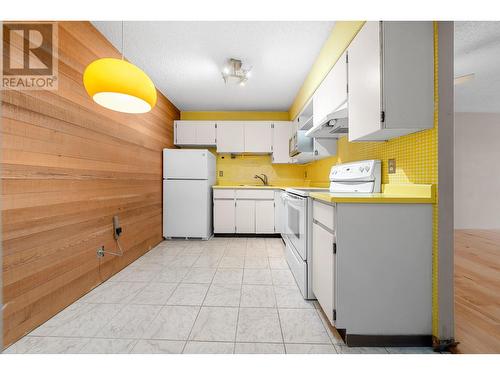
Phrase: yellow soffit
(342, 34)
(234, 116)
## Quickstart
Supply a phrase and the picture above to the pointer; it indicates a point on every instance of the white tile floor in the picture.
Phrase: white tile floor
(226, 295)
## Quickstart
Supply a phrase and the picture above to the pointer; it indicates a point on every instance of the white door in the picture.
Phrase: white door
(230, 136)
(281, 136)
(187, 164)
(332, 91)
(186, 208)
(258, 136)
(245, 216)
(205, 133)
(323, 270)
(364, 78)
(185, 133)
(224, 216)
(264, 217)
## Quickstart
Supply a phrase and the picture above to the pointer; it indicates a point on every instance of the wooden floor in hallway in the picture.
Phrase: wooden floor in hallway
(477, 291)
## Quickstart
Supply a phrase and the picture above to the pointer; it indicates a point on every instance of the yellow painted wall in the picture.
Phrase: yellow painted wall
(234, 115)
(342, 34)
(243, 168)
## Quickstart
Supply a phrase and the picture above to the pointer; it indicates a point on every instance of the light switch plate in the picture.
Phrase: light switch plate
(392, 166)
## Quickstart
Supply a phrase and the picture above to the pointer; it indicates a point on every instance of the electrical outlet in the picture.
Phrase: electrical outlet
(221, 173)
(392, 166)
(117, 229)
(100, 252)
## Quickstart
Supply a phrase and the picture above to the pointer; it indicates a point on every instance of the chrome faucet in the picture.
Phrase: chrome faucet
(264, 180)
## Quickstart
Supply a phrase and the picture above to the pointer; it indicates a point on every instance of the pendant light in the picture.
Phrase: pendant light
(119, 85)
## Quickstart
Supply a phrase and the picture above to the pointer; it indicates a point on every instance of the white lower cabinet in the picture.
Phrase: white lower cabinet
(245, 216)
(224, 216)
(323, 258)
(264, 217)
(246, 211)
(324, 270)
(372, 268)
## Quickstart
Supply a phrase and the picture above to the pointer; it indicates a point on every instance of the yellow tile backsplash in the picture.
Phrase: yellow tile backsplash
(415, 154)
(241, 169)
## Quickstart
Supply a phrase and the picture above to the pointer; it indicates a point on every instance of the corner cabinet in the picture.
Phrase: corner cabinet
(390, 80)
(195, 133)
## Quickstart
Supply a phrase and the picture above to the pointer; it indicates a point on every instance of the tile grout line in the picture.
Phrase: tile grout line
(239, 308)
(195, 319)
(278, 312)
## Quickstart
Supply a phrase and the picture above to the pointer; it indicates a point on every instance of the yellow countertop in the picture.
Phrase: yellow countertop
(391, 193)
(265, 187)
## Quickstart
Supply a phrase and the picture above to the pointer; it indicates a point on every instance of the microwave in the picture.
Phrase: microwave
(299, 143)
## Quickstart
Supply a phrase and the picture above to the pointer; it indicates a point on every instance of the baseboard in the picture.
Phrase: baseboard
(263, 235)
(388, 340)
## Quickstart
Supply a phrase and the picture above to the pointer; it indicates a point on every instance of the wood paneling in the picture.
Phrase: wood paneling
(477, 291)
(68, 166)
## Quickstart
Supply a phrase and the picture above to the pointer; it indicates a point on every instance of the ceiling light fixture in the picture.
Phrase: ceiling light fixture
(234, 72)
(119, 85)
(465, 78)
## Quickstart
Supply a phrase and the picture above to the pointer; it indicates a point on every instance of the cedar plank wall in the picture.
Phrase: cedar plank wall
(68, 167)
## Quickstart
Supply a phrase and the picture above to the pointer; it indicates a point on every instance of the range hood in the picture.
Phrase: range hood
(333, 125)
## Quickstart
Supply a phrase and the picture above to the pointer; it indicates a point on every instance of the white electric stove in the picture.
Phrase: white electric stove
(357, 177)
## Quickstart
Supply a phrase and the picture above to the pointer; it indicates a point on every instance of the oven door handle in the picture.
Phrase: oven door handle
(297, 202)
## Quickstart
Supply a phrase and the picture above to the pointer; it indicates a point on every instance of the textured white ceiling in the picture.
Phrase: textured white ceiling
(185, 59)
(477, 50)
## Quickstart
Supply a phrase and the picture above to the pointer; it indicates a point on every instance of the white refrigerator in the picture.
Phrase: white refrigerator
(188, 177)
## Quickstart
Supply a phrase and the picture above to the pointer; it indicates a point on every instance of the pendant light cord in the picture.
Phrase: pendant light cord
(123, 37)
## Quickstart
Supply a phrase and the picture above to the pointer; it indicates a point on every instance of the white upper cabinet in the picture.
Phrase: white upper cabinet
(282, 132)
(185, 132)
(230, 136)
(390, 80)
(258, 137)
(207, 134)
(332, 92)
(195, 133)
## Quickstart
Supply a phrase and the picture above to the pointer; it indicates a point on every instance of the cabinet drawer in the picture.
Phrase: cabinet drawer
(223, 194)
(324, 214)
(254, 194)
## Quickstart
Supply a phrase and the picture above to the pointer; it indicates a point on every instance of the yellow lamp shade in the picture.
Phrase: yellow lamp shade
(119, 85)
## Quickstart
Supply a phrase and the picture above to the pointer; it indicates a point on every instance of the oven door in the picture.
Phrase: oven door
(295, 223)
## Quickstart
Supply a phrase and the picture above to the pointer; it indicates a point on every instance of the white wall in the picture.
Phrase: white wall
(477, 170)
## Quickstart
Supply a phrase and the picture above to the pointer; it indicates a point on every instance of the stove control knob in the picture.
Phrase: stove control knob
(361, 169)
